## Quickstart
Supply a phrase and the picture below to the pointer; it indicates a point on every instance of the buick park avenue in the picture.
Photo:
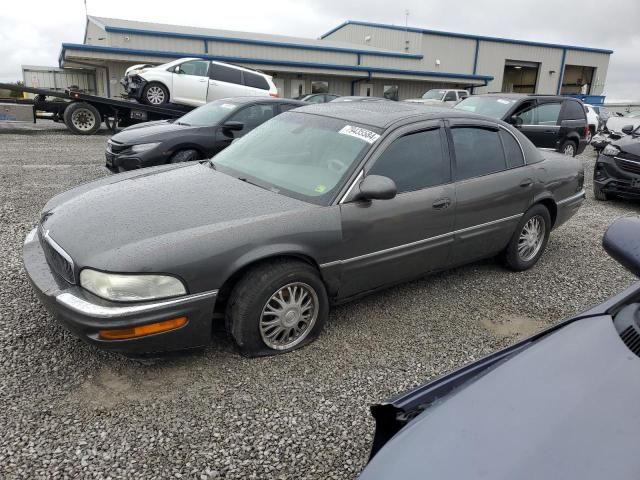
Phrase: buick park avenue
(314, 207)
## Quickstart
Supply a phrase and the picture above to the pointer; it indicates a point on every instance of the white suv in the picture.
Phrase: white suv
(194, 81)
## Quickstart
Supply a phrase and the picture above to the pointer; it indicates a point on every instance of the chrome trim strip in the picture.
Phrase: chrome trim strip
(580, 194)
(419, 242)
(627, 160)
(348, 192)
(83, 307)
(59, 249)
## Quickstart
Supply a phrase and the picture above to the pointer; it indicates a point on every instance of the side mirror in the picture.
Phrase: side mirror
(627, 129)
(516, 121)
(622, 242)
(177, 69)
(376, 187)
(233, 126)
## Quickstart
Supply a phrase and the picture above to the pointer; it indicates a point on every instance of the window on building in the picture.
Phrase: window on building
(255, 81)
(414, 161)
(390, 92)
(319, 87)
(478, 152)
(198, 68)
(223, 73)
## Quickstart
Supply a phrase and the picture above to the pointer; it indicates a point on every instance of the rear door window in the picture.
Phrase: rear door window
(478, 152)
(255, 81)
(254, 116)
(222, 73)
(573, 111)
(450, 97)
(512, 150)
(197, 68)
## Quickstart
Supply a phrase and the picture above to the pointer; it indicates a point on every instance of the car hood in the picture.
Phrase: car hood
(156, 132)
(629, 144)
(111, 223)
(616, 124)
(146, 124)
(554, 410)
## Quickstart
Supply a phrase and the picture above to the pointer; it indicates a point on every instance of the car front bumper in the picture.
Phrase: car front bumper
(122, 162)
(84, 314)
(616, 176)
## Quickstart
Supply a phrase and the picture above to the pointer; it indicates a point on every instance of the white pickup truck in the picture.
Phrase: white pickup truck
(194, 82)
(437, 96)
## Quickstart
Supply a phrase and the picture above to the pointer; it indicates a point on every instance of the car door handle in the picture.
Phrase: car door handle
(526, 183)
(441, 203)
(549, 131)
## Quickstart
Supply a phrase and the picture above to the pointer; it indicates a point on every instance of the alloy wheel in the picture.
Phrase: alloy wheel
(289, 316)
(569, 150)
(155, 95)
(531, 238)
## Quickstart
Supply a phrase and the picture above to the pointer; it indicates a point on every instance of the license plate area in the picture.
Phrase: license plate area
(139, 115)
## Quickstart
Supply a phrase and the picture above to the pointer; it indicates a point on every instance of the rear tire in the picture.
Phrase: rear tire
(184, 156)
(82, 118)
(599, 194)
(529, 239)
(569, 148)
(276, 307)
(155, 94)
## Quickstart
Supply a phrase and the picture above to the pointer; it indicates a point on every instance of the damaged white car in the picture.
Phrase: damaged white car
(194, 82)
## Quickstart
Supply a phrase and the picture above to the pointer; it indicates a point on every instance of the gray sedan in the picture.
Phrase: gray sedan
(314, 207)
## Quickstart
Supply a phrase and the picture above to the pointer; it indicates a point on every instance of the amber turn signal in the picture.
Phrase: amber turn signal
(143, 330)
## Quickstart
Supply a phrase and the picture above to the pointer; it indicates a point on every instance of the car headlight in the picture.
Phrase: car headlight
(143, 147)
(130, 288)
(611, 150)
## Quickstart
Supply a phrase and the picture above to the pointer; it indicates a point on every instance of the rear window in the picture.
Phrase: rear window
(226, 74)
(255, 81)
(573, 111)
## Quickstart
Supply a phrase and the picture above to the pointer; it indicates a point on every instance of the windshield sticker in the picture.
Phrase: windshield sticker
(361, 133)
(228, 106)
(320, 189)
(506, 102)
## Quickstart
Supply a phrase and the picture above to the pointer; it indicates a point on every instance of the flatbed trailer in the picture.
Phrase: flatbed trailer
(83, 113)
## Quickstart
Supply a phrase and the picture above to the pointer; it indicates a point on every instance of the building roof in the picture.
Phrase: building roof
(465, 35)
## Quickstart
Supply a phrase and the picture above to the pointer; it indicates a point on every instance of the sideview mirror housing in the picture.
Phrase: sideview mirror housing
(376, 187)
(515, 121)
(627, 129)
(233, 126)
(622, 242)
(177, 69)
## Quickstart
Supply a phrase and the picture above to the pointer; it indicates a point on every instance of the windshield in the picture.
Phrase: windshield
(494, 107)
(208, 115)
(434, 94)
(302, 156)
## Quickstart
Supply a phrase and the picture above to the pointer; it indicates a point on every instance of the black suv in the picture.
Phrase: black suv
(550, 121)
(617, 170)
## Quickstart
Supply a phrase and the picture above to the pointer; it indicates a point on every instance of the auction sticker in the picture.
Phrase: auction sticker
(361, 133)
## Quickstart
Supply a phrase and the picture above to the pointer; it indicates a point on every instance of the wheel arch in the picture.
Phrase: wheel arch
(550, 204)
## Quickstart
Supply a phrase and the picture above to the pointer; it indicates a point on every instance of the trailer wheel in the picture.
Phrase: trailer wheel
(82, 118)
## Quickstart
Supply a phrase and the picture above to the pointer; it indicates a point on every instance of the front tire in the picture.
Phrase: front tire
(82, 118)
(155, 94)
(277, 307)
(184, 156)
(529, 239)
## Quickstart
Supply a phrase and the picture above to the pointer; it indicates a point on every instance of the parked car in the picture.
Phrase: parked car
(201, 133)
(359, 98)
(603, 115)
(593, 121)
(440, 95)
(316, 206)
(318, 97)
(616, 123)
(560, 404)
(549, 121)
(195, 81)
(617, 169)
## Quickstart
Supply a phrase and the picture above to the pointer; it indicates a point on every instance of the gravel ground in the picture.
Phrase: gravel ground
(72, 411)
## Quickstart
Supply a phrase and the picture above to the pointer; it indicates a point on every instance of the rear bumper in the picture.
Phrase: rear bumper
(568, 207)
(613, 180)
(84, 314)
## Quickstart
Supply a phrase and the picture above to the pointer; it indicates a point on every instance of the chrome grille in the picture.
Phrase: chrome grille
(56, 257)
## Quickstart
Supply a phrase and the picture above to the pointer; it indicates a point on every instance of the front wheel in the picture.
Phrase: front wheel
(529, 239)
(277, 307)
(155, 93)
(184, 156)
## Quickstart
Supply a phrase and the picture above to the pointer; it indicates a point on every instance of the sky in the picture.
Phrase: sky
(31, 32)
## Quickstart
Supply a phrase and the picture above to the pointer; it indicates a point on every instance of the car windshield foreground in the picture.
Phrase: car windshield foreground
(298, 155)
(314, 207)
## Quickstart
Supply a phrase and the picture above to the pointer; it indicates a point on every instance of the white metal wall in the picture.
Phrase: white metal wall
(58, 78)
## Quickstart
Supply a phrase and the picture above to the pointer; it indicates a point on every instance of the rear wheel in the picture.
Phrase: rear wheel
(277, 307)
(184, 156)
(82, 118)
(590, 133)
(155, 93)
(529, 239)
(568, 148)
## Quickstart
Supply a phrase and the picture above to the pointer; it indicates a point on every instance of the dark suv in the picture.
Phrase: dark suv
(550, 121)
(617, 169)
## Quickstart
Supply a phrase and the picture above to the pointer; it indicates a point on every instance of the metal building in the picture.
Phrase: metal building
(355, 58)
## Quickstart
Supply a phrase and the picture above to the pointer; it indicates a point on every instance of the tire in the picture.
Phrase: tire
(82, 118)
(257, 292)
(568, 148)
(184, 156)
(514, 256)
(590, 134)
(599, 194)
(155, 94)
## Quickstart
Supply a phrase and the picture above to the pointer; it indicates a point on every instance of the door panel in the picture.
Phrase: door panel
(190, 85)
(366, 89)
(224, 82)
(297, 88)
(540, 123)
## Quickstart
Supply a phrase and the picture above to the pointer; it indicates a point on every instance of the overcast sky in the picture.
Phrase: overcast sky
(31, 31)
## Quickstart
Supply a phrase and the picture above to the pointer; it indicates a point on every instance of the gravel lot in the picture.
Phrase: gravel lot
(72, 411)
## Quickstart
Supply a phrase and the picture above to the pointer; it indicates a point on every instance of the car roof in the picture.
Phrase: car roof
(525, 95)
(385, 113)
(245, 100)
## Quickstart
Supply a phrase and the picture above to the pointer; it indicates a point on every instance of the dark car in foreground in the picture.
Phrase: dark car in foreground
(560, 404)
(549, 121)
(318, 97)
(617, 169)
(317, 206)
(199, 134)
